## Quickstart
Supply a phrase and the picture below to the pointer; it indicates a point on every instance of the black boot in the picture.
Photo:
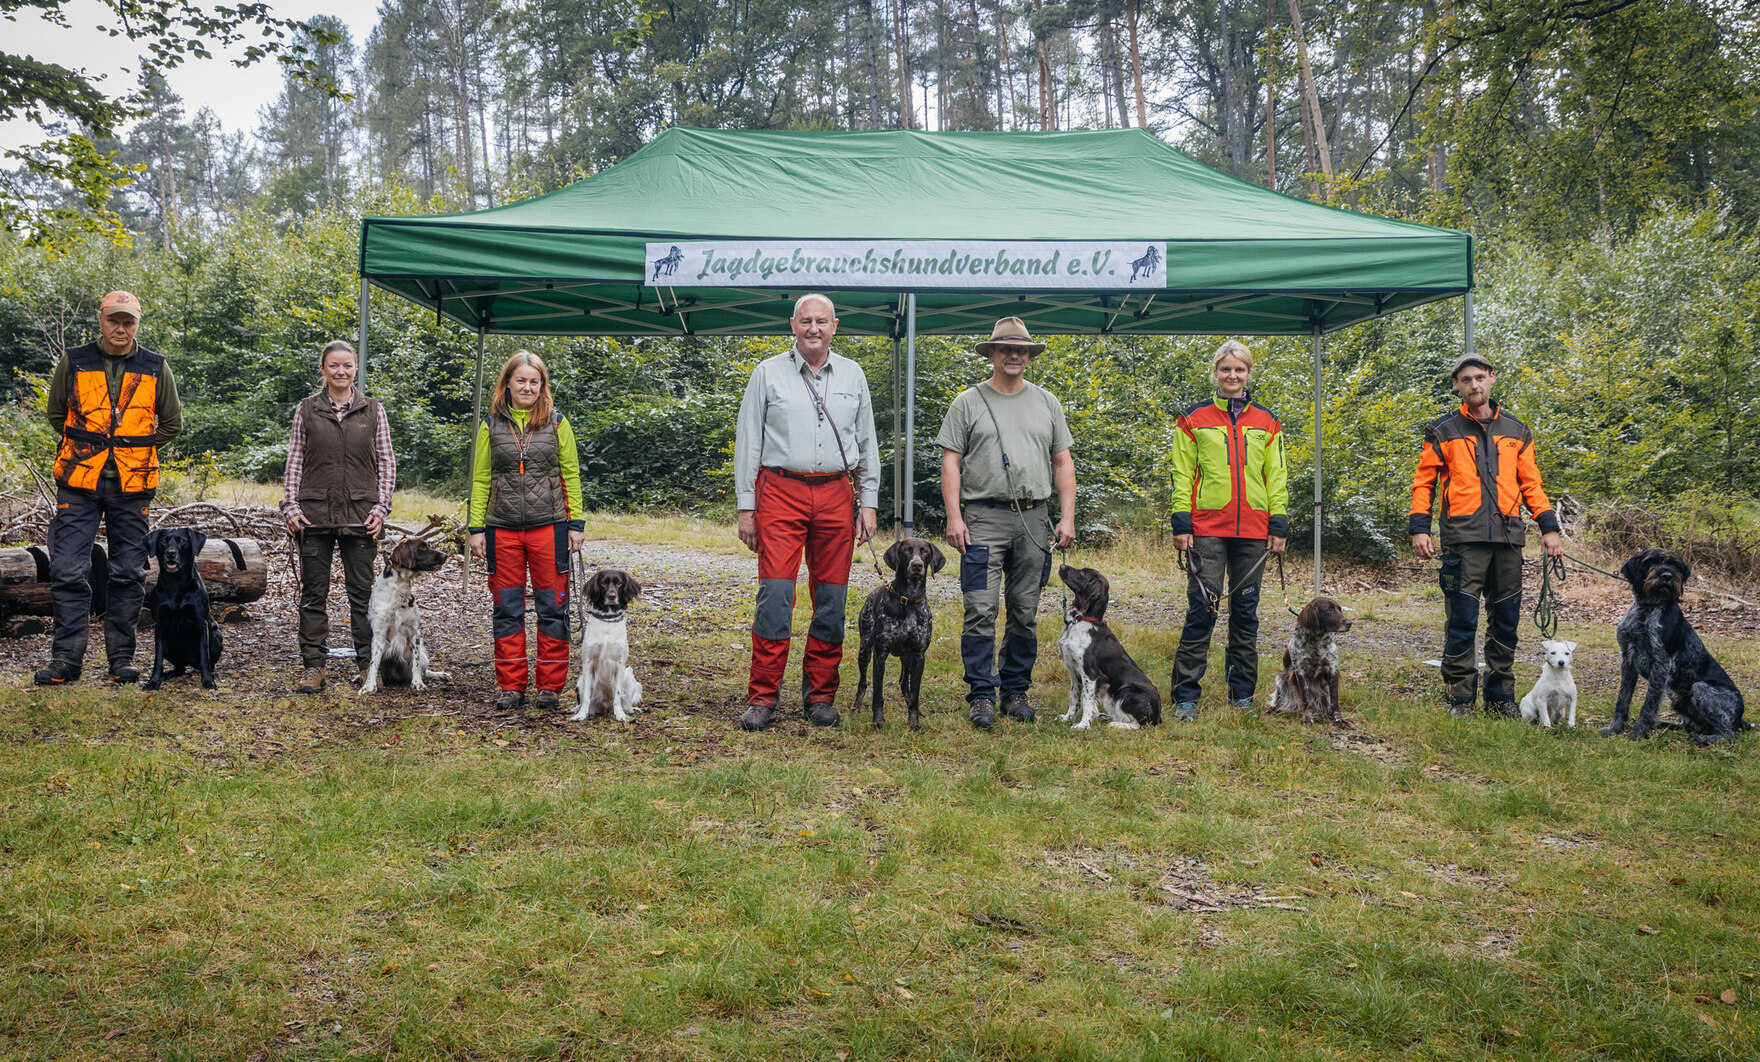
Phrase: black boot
(983, 713)
(58, 672)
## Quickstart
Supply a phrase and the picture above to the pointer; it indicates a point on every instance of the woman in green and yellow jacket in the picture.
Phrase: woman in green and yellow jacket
(1230, 504)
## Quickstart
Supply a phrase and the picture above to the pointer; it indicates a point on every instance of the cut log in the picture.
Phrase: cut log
(233, 569)
(24, 581)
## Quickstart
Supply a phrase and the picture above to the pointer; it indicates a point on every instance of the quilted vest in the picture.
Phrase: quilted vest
(96, 430)
(340, 485)
(525, 475)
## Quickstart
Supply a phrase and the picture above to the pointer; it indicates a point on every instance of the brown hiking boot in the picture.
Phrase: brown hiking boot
(311, 680)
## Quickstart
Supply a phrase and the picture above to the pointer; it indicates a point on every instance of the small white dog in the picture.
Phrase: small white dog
(606, 680)
(1556, 692)
(399, 655)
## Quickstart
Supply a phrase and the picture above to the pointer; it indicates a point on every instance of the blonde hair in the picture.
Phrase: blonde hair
(1232, 348)
(503, 400)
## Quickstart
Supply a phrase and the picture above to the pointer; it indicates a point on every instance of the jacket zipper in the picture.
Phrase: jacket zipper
(1237, 467)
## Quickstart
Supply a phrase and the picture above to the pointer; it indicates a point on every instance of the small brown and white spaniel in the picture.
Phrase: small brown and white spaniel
(1308, 681)
(398, 653)
(606, 680)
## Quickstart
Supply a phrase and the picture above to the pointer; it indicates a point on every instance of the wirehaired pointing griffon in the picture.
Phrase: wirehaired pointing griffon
(896, 621)
(399, 656)
(1657, 644)
(1308, 681)
(1101, 673)
(606, 680)
(183, 631)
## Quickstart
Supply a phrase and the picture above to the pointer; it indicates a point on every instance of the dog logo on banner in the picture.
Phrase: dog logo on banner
(1144, 265)
(668, 265)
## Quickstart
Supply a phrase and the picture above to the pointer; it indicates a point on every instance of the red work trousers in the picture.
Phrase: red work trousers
(815, 514)
(512, 554)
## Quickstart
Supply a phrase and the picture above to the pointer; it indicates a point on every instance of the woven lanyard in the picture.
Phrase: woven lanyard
(521, 440)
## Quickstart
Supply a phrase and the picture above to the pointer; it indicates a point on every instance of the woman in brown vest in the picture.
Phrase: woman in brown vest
(336, 496)
(525, 517)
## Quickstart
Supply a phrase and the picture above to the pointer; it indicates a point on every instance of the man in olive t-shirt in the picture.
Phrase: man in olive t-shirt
(1004, 447)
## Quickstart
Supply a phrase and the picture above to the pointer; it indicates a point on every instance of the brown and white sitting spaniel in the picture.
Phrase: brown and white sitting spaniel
(1308, 681)
(606, 681)
(1101, 673)
(398, 653)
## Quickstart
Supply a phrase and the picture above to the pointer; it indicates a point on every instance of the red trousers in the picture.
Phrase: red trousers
(513, 553)
(793, 515)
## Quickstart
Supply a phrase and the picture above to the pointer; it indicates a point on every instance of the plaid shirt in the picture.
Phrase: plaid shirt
(296, 462)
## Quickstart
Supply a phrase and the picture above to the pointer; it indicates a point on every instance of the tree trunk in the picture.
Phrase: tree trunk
(1047, 106)
(24, 576)
(1270, 99)
(1137, 67)
(907, 105)
(1310, 95)
(873, 64)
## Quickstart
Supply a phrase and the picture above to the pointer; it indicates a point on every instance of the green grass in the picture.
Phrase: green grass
(196, 877)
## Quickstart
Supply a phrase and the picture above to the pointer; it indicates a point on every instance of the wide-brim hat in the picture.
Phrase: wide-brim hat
(1010, 332)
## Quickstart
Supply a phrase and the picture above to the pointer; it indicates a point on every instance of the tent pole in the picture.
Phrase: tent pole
(1469, 311)
(360, 350)
(897, 415)
(1318, 398)
(470, 469)
(910, 414)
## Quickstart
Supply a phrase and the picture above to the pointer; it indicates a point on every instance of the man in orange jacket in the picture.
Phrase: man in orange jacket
(1481, 461)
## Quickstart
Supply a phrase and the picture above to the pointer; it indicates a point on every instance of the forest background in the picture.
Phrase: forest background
(1605, 153)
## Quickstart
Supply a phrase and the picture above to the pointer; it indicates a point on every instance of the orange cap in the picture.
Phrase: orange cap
(120, 302)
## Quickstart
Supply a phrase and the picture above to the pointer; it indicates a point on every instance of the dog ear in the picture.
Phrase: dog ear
(1632, 571)
(1679, 563)
(631, 588)
(937, 559)
(891, 554)
(1308, 618)
(152, 543)
(1569, 647)
(196, 541)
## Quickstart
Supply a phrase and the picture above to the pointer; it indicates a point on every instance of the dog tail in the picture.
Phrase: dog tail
(237, 554)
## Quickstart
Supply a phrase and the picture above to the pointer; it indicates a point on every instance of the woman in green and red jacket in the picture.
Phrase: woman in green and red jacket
(1230, 504)
(525, 517)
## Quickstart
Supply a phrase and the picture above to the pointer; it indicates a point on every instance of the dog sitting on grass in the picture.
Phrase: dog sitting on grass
(1101, 674)
(1308, 681)
(1657, 644)
(1556, 692)
(399, 655)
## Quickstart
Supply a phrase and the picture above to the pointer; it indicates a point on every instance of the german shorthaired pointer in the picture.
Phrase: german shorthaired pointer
(1657, 643)
(896, 621)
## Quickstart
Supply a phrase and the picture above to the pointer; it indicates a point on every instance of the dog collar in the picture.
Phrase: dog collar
(1085, 619)
(607, 617)
(908, 600)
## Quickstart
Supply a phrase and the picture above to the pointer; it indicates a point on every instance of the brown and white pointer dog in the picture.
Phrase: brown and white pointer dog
(1308, 681)
(896, 621)
(1101, 673)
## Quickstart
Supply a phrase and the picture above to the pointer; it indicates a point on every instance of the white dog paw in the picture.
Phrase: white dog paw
(578, 717)
(1083, 725)
(1128, 724)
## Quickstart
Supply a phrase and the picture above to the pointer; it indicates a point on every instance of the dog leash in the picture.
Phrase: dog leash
(577, 578)
(1214, 598)
(1546, 605)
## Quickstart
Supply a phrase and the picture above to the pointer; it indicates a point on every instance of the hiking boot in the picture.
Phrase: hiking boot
(1186, 711)
(822, 714)
(1015, 706)
(1460, 709)
(123, 673)
(311, 680)
(548, 699)
(58, 672)
(1244, 705)
(510, 700)
(757, 717)
(983, 713)
(1503, 708)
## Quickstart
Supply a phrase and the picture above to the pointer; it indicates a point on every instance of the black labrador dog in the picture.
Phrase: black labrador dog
(895, 621)
(1657, 643)
(183, 632)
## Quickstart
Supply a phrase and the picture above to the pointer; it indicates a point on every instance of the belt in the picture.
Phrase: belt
(1004, 503)
(805, 477)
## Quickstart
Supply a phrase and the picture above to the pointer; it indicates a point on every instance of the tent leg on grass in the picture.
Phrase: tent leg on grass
(1319, 397)
(360, 351)
(910, 415)
(476, 429)
(1467, 305)
(897, 421)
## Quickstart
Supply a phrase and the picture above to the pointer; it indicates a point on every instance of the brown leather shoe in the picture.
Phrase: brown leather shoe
(311, 680)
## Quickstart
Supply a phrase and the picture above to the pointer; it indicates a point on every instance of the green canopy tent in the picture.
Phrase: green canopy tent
(713, 232)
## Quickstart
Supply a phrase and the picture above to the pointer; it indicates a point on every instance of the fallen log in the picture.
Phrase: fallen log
(233, 569)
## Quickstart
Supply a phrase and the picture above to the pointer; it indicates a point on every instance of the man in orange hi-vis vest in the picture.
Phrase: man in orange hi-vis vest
(114, 403)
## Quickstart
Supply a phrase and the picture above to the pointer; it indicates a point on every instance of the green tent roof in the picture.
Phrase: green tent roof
(1238, 258)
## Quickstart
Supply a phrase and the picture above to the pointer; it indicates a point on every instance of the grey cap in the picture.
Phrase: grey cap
(1469, 359)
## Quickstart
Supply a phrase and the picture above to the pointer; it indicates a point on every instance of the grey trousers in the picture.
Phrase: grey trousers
(1217, 557)
(1471, 571)
(1009, 556)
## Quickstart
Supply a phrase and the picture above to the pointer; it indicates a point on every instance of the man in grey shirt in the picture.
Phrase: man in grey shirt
(806, 427)
(1004, 447)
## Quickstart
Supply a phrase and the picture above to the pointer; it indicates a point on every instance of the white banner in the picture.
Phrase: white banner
(908, 265)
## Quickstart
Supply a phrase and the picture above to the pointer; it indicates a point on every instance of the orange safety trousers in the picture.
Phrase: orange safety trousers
(513, 553)
(817, 516)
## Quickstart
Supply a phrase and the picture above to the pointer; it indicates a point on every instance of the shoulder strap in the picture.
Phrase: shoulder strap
(836, 436)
